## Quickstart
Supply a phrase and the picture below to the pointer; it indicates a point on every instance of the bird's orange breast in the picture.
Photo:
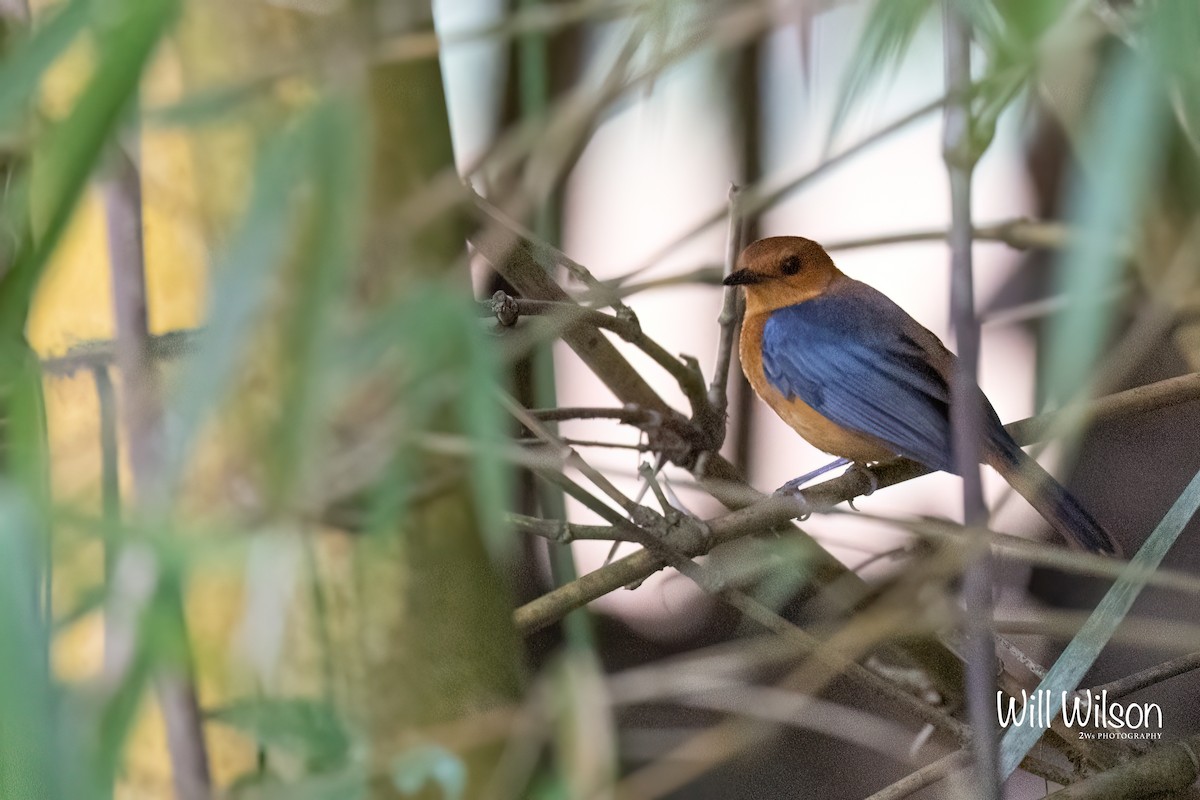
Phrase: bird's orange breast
(822, 433)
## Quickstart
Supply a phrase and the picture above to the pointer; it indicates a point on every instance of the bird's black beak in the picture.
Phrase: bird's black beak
(743, 277)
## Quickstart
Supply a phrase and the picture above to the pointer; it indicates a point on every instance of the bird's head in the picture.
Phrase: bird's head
(782, 271)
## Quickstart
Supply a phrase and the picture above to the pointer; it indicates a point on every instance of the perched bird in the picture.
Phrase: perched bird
(859, 378)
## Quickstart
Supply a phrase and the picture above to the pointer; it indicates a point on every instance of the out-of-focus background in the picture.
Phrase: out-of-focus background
(272, 478)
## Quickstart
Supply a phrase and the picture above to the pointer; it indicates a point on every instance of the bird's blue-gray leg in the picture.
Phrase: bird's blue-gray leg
(795, 483)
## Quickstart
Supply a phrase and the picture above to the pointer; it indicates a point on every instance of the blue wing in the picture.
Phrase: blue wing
(849, 358)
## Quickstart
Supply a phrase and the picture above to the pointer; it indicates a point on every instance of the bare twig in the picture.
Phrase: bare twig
(554, 257)
(570, 457)
(1020, 233)
(759, 197)
(690, 381)
(703, 577)
(718, 395)
(103, 353)
(1149, 676)
(769, 511)
(966, 415)
(1165, 769)
(513, 258)
(925, 776)
(1152, 396)
(641, 448)
(136, 572)
(562, 531)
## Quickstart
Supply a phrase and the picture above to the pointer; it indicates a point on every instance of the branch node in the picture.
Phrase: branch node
(504, 306)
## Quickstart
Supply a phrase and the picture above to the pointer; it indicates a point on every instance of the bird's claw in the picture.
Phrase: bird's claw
(869, 474)
(790, 489)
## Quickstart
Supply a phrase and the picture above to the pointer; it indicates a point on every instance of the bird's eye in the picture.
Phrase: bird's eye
(790, 265)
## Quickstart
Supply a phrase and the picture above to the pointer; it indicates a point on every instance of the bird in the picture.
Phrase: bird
(859, 378)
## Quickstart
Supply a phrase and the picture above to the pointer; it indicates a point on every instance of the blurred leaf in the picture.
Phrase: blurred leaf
(241, 289)
(1093, 637)
(69, 152)
(585, 735)
(24, 454)
(1174, 40)
(91, 599)
(346, 784)
(1028, 20)
(486, 423)
(1118, 159)
(886, 37)
(985, 22)
(992, 97)
(209, 106)
(430, 764)
(22, 70)
(451, 376)
(549, 787)
(308, 729)
(29, 754)
(325, 266)
(119, 713)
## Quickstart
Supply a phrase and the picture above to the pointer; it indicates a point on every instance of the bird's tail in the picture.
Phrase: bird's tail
(1051, 499)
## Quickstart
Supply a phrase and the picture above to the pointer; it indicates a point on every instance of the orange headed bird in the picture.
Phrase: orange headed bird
(859, 378)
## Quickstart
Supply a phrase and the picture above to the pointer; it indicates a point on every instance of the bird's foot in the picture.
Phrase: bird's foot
(793, 486)
(788, 490)
(869, 474)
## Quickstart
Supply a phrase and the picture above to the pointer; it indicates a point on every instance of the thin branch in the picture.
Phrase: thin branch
(1019, 233)
(802, 711)
(136, 572)
(570, 457)
(629, 415)
(1168, 768)
(765, 512)
(966, 413)
(509, 309)
(513, 258)
(758, 197)
(570, 314)
(925, 776)
(1151, 397)
(641, 448)
(1149, 676)
(718, 394)
(103, 353)
(562, 531)
(712, 584)
(550, 255)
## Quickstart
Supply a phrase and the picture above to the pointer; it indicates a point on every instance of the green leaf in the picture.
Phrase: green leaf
(451, 376)
(889, 31)
(486, 424)
(348, 784)
(22, 70)
(1093, 637)
(430, 764)
(29, 758)
(1118, 160)
(318, 283)
(67, 156)
(241, 289)
(211, 106)
(308, 729)
(24, 453)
